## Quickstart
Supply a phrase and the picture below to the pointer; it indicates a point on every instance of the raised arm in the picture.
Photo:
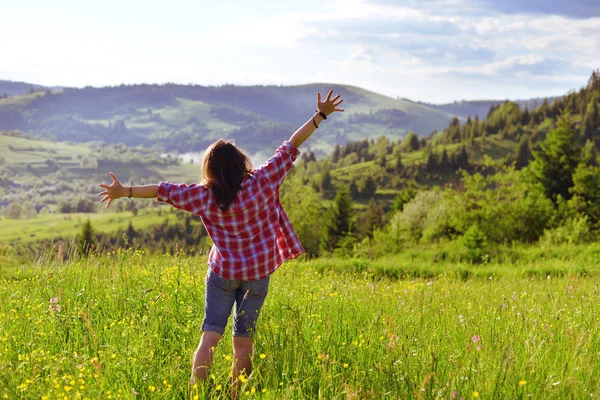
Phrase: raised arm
(116, 190)
(325, 108)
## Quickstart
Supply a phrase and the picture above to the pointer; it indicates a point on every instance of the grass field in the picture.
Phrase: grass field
(38, 151)
(125, 325)
(50, 226)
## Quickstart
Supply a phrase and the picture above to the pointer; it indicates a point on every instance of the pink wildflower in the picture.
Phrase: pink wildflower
(476, 338)
(54, 306)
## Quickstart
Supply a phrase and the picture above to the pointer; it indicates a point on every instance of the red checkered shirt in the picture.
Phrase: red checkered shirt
(254, 236)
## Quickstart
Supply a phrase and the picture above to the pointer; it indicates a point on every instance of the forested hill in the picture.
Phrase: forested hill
(513, 176)
(508, 134)
(480, 108)
(186, 118)
(10, 88)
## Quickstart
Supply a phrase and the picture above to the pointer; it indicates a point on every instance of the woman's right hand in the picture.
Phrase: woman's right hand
(330, 105)
(112, 191)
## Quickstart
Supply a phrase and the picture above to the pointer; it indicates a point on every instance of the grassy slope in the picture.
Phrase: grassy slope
(36, 152)
(67, 226)
(20, 100)
(47, 226)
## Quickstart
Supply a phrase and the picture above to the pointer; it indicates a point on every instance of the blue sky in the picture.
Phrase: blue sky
(427, 50)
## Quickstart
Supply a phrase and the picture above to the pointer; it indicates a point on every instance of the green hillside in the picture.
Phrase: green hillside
(508, 135)
(187, 118)
(42, 176)
(381, 174)
(11, 88)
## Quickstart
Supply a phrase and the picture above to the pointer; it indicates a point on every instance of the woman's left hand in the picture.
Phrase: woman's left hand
(330, 104)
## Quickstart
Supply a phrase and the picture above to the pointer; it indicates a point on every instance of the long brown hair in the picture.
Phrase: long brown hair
(224, 168)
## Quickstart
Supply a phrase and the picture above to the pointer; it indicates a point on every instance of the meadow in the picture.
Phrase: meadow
(125, 325)
(50, 226)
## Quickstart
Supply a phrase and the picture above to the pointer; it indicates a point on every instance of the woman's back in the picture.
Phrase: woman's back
(253, 236)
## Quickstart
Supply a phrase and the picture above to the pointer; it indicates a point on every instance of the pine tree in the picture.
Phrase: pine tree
(431, 160)
(374, 217)
(589, 154)
(462, 159)
(86, 239)
(586, 192)
(338, 220)
(554, 164)
(444, 161)
(337, 152)
(369, 187)
(325, 182)
(398, 167)
(354, 192)
(411, 142)
(523, 154)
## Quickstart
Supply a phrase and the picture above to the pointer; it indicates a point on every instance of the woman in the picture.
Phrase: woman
(251, 232)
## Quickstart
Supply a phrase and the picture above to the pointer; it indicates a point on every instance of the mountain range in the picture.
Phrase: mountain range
(186, 118)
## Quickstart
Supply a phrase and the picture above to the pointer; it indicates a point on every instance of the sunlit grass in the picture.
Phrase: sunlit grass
(51, 226)
(125, 325)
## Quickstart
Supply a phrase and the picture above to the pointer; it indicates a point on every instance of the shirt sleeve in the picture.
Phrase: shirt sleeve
(274, 170)
(190, 198)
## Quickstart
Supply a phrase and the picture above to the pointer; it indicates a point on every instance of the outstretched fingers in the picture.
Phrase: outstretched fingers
(114, 178)
(329, 95)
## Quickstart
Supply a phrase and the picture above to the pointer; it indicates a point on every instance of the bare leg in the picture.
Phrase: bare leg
(203, 356)
(242, 360)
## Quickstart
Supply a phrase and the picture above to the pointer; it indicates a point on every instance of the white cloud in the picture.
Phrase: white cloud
(428, 50)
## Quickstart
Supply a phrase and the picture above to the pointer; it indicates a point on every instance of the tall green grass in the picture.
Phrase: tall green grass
(128, 324)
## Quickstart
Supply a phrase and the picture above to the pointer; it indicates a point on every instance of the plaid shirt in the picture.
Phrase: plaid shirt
(254, 236)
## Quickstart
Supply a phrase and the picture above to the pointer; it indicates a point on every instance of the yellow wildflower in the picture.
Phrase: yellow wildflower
(475, 394)
(521, 383)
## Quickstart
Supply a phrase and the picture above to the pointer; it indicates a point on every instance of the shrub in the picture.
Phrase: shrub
(475, 241)
(573, 231)
(414, 214)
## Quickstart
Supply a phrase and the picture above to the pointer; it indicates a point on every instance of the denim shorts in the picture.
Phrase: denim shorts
(222, 294)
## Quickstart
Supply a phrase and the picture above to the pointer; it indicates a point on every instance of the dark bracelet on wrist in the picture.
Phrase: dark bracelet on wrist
(322, 114)
(314, 122)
